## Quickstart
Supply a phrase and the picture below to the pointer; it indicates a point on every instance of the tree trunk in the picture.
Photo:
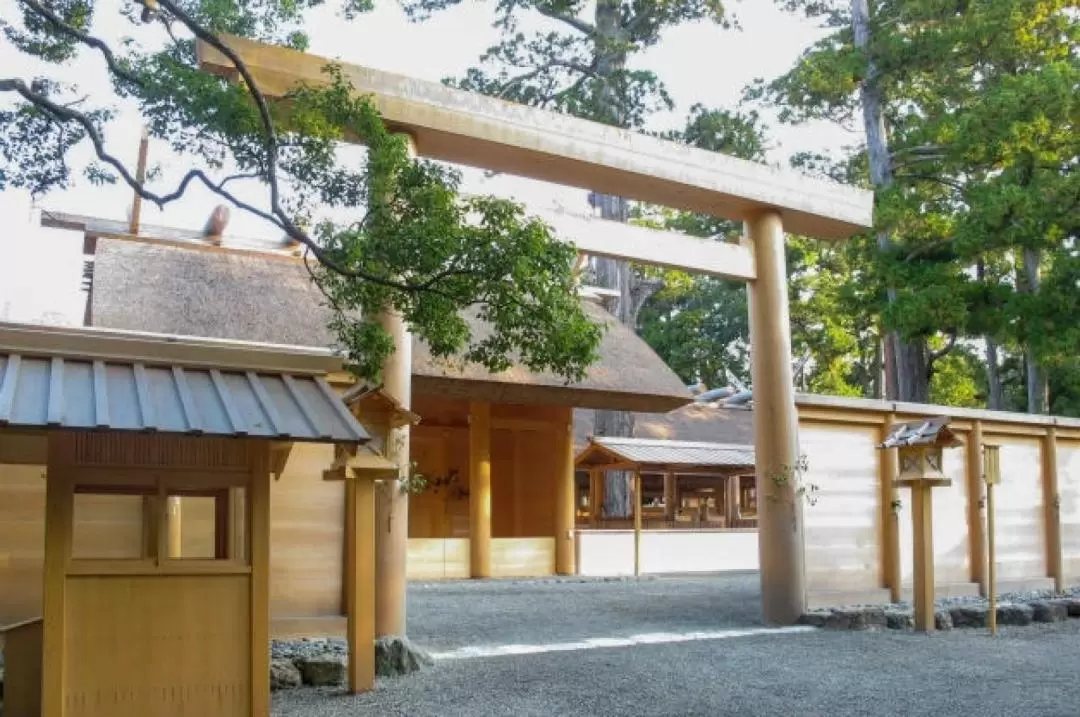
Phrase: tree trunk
(902, 357)
(612, 273)
(995, 395)
(1036, 381)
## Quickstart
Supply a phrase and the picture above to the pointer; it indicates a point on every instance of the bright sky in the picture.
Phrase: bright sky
(40, 269)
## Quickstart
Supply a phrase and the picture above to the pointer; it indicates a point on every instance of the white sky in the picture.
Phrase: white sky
(40, 269)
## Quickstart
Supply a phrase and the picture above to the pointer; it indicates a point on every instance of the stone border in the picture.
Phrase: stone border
(963, 615)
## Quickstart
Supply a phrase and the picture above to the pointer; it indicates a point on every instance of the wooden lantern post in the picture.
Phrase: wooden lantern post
(992, 476)
(920, 448)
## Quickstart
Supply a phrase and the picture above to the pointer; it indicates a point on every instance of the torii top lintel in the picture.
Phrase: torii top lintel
(472, 129)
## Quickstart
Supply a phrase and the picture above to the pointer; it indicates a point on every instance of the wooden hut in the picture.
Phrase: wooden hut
(135, 475)
(520, 419)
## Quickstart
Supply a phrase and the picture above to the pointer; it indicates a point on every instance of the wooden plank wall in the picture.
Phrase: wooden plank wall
(847, 550)
(22, 541)
(843, 529)
(524, 462)
(307, 536)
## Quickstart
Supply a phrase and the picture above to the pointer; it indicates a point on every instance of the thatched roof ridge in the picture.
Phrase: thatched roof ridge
(182, 291)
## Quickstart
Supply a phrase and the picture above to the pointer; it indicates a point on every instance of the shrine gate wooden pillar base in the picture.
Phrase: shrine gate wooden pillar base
(780, 532)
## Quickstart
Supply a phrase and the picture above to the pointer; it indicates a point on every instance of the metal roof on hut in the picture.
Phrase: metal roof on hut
(263, 297)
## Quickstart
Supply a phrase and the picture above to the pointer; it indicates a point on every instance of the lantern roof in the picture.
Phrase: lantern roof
(923, 432)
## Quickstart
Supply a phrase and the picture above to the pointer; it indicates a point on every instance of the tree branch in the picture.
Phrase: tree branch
(65, 29)
(578, 24)
(935, 356)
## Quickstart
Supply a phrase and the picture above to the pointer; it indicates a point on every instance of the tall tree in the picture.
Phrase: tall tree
(406, 243)
(579, 63)
(959, 164)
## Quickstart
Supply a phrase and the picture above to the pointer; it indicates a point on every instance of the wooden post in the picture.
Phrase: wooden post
(360, 582)
(731, 500)
(140, 177)
(1052, 510)
(58, 519)
(669, 496)
(391, 502)
(174, 516)
(922, 511)
(890, 544)
(637, 523)
(991, 578)
(780, 531)
(258, 516)
(595, 481)
(565, 509)
(480, 489)
(976, 491)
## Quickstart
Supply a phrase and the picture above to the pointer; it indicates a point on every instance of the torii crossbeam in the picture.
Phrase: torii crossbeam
(468, 128)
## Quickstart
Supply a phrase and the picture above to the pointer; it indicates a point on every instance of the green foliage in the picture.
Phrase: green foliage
(409, 242)
(981, 113)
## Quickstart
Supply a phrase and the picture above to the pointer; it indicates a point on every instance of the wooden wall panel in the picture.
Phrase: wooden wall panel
(176, 645)
(22, 542)
(1069, 490)
(437, 558)
(197, 527)
(1020, 520)
(522, 557)
(843, 529)
(504, 483)
(307, 536)
(952, 555)
(536, 481)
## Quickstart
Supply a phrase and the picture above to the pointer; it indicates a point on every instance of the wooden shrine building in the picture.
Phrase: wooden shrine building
(519, 420)
(135, 475)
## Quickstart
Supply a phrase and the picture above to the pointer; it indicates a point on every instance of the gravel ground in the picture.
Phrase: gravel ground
(1028, 671)
(495, 612)
(1025, 671)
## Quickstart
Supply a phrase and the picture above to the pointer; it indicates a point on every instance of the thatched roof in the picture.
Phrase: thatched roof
(696, 422)
(170, 289)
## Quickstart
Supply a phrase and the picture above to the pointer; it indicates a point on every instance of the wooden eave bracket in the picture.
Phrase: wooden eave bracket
(279, 457)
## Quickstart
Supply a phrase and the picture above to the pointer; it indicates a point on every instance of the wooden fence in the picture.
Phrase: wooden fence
(858, 531)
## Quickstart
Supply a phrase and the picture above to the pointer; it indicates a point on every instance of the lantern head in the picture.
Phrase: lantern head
(920, 447)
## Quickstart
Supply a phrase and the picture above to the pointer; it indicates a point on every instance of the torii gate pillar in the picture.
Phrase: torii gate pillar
(780, 529)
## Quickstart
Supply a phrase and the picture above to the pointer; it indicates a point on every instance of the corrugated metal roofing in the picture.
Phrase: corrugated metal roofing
(52, 392)
(685, 453)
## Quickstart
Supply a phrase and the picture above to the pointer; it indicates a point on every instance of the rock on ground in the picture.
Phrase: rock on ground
(284, 675)
(1015, 614)
(396, 656)
(1049, 611)
(943, 620)
(970, 615)
(326, 670)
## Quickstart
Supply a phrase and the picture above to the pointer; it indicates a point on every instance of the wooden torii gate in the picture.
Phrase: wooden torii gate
(471, 129)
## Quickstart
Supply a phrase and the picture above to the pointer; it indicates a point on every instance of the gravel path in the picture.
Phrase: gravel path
(1025, 671)
(449, 615)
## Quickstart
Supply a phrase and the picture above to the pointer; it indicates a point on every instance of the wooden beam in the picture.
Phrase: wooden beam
(258, 529)
(637, 523)
(889, 469)
(1052, 510)
(467, 128)
(480, 490)
(360, 583)
(616, 240)
(58, 520)
(976, 492)
(140, 178)
(776, 446)
(922, 512)
(565, 490)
